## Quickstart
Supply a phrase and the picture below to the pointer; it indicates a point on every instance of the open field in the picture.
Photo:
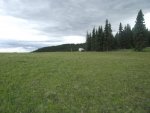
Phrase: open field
(94, 82)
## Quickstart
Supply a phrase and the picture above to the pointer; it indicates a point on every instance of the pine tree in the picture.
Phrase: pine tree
(139, 32)
(88, 42)
(127, 36)
(99, 39)
(148, 36)
(96, 41)
(117, 43)
(111, 38)
(93, 39)
(147, 39)
(121, 37)
(101, 35)
(108, 37)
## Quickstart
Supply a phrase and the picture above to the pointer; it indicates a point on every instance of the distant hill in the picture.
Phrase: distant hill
(61, 48)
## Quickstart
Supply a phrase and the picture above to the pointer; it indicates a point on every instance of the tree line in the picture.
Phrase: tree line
(61, 48)
(126, 38)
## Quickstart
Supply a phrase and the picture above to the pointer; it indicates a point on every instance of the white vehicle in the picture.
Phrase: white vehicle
(81, 49)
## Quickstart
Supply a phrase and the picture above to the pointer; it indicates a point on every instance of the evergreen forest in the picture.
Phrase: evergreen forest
(102, 39)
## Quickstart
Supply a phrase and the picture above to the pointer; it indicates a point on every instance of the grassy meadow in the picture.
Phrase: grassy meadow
(73, 82)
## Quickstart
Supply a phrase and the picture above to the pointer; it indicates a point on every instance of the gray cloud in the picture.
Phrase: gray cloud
(72, 17)
(28, 45)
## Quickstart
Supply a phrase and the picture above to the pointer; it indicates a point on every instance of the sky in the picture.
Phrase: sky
(26, 25)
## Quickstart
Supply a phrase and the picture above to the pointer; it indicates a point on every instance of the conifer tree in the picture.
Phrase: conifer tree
(93, 39)
(139, 32)
(147, 39)
(96, 41)
(127, 35)
(101, 35)
(108, 37)
(120, 36)
(117, 43)
(88, 42)
(111, 38)
(148, 36)
(99, 39)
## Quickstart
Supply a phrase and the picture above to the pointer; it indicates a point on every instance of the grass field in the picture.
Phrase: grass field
(94, 82)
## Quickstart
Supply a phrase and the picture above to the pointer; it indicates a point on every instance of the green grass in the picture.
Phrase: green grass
(147, 49)
(94, 82)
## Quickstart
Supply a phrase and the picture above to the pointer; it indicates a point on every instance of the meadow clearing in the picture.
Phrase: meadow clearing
(74, 82)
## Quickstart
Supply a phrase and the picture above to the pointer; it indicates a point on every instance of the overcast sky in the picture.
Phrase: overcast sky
(26, 25)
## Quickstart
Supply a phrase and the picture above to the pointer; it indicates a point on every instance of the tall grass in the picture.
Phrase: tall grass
(89, 82)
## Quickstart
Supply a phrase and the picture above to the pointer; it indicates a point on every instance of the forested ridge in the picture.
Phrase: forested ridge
(62, 48)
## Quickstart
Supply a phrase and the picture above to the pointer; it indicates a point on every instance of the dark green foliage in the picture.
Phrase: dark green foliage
(111, 38)
(124, 37)
(108, 37)
(88, 42)
(127, 36)
(138, 37)
(106, 33)
(93, 39)
(115, 43)
(139, 32)
(97, 40)
(121, 41)
(63, 48)
(130, 36)
(101, 40)
(148, 37)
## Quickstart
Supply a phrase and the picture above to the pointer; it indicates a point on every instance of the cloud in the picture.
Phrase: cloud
(13, 49)
(39, 23)
(19, 29)
(147, 18)
(76, 39)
